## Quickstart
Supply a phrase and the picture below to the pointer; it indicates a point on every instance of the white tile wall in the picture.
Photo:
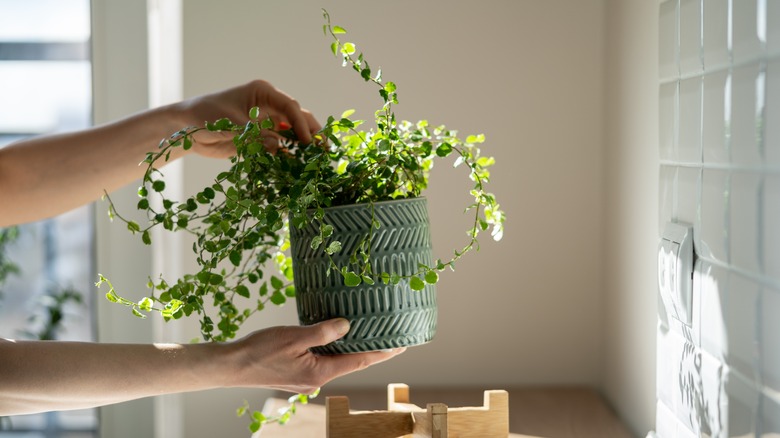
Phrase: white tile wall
(773, 32)
(770, 340)
(689, 120)
(719, 130)
(710, 282)
(772, 111)
(714, 117)
(712, 242)
(745, 43)
(690, 37)
(770, 418)
(715, 26)
(770, 229)
(744, 135)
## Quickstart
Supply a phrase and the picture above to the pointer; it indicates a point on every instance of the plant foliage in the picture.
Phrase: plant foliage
(241, 221)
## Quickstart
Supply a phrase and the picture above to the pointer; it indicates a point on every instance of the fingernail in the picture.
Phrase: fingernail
(342, 326)
(284, 125)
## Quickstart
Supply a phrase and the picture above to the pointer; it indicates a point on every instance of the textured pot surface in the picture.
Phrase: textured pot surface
(381, 316)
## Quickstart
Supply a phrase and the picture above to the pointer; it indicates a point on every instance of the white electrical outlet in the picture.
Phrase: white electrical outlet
(675, 271)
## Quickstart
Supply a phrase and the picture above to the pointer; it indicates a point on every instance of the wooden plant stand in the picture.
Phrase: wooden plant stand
(403, 419)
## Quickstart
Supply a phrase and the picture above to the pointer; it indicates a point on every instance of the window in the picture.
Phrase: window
(45, 87)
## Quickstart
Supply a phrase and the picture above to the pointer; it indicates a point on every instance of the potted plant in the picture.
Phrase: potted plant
(349, 207)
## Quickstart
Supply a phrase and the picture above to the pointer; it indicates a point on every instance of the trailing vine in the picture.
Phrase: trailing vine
(241, 220)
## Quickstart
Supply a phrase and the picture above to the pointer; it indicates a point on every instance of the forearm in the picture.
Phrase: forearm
(39, 376)
(48, 175)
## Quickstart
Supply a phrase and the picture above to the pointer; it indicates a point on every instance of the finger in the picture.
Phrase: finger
(341, 364)
(291, 109)
(300, 124)
(314, 125)
(323, 333)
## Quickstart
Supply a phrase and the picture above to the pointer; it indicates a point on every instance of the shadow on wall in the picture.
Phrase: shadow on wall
(713, 377)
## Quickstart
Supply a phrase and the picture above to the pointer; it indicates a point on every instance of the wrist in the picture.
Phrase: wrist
(173, 118)
(229, 362)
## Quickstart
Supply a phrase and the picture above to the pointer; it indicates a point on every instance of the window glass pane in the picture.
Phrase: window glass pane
(44, 20)
(41, 97)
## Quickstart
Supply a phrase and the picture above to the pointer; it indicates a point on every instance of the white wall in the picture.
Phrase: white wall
(120, 84)
(526, 311)
(566, 94)
(631, 213)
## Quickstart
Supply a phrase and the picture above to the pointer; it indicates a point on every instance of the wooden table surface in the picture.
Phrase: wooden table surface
(566, 412)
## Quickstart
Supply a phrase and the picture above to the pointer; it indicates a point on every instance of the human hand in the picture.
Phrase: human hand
(234, 104)
(279, 357)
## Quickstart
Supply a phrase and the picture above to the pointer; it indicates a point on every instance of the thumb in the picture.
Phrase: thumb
(325, 332)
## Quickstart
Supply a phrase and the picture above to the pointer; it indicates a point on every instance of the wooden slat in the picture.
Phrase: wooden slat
(340, 423)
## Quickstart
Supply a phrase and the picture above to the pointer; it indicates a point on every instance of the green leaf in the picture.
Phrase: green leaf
(254, 113)
(348, 48)
(133, 227)
(290, 291)
(258, 416)
(215, 279)
(158, 186)
(276, 283)
(416, 284)
(390, 87)
(235, 258)
(334, 247)
(242, 290)
(431, 277)
(267, 124)
(334, 47)
(172, 308)
(475, 138)
(253, 148)
(444, 149)
(339, 30)
(146, 238)
(143, 204)
(203, 276)
(316, 241)
(367, 280)
(351, 279)
(146, 304)
(187, 143)
(278, 298)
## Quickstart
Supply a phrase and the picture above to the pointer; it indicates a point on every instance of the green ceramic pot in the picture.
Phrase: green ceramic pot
(381, 316)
